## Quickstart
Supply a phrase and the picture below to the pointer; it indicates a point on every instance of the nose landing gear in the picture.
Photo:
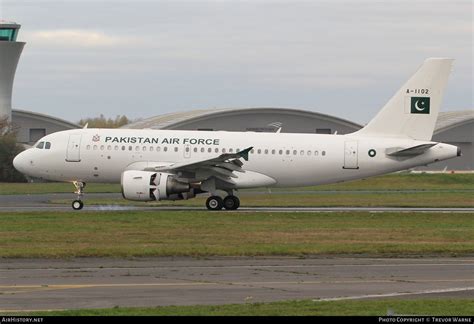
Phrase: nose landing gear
(78, 204)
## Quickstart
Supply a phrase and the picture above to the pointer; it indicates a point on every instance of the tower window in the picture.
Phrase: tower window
(8, 34)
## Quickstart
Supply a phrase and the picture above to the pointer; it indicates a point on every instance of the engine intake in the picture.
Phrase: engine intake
(149, 186)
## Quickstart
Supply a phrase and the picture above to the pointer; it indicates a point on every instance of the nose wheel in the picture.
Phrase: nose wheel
(78, 204)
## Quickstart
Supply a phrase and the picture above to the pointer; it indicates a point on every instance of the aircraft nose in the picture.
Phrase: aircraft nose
(19, 162)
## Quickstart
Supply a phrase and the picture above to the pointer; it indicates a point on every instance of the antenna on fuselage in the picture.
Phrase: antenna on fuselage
(85, 126)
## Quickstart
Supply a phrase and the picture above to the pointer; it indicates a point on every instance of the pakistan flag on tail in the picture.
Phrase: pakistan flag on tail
(413, 117)
(420, 105)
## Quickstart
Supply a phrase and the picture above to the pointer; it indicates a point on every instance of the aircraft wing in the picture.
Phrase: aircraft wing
(411, 151)
(221, 167)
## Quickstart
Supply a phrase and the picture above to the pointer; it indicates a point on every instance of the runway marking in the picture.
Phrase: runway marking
(423, 292)
(209, 283)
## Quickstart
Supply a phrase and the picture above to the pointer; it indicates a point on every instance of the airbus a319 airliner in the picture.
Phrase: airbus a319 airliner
(156, 165)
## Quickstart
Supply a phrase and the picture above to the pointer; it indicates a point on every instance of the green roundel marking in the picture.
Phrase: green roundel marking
(372, 152)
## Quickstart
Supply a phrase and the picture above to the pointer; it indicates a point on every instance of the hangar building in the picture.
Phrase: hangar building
(32, 126)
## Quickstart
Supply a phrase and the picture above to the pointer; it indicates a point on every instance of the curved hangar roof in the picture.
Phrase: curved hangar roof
(250, 119)
(269, 119)
(450, 119)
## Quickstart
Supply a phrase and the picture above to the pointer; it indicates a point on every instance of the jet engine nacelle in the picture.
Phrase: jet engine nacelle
(149, 186)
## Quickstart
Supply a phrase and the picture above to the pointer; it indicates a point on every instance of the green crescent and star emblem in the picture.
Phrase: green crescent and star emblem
(420, 105)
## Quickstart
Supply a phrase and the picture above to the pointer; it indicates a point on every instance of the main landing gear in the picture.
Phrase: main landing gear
(78, 204)
(230, 202)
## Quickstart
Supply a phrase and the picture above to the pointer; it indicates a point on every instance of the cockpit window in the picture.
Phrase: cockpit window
(40, 145)
(47, 145)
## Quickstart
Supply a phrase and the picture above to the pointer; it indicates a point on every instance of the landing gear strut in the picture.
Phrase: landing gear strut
(78, 204)
(217, 203)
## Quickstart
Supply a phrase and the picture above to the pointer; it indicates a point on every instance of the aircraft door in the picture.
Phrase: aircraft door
(351, 160)
(74, 148)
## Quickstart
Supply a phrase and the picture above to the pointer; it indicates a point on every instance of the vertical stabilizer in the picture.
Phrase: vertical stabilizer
(413, 110)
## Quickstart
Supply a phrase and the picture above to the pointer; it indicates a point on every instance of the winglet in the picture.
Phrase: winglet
(245, 153)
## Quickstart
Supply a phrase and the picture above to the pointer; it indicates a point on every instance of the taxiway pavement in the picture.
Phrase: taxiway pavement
(47, 284)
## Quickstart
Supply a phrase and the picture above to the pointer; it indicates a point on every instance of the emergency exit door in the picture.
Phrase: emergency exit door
(351, 155)
(74, 148)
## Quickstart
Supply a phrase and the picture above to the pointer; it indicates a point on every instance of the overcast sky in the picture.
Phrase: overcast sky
(144, 58)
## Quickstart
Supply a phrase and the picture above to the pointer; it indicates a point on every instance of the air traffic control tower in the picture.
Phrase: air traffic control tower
(10, 51)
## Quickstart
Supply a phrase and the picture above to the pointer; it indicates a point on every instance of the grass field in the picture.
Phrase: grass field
(445, 307)
(170, 233)
(399, 181)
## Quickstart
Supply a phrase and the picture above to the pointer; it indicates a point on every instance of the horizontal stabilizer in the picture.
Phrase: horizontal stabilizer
(411, 151)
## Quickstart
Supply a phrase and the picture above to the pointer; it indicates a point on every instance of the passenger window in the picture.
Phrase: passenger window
(280, 152)
(316, 153)
(151, 148)
(302, 152)
(202, 149)
(157, 148)
(309, 153)
(47, 145)
(109, 147)
(88, 147)
(130, 148)
(273, 151)
(287, 152)
(102, 147)
(137, 148)
(295, 152)
(223, 150)
(259, 151)
(116, 147)
(165, 149)
(123, 147)
(40, 145)
(144, 149)
(209, 150)
(217, 150)
(176, 149)
(95, 147)
(323, 153)
(195, 149)
(231, 150)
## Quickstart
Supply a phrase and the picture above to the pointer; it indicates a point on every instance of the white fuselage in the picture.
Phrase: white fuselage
(101, 155)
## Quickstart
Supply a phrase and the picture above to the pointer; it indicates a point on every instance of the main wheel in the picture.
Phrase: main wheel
(214, 203)
(231, 202)
(77, 204)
